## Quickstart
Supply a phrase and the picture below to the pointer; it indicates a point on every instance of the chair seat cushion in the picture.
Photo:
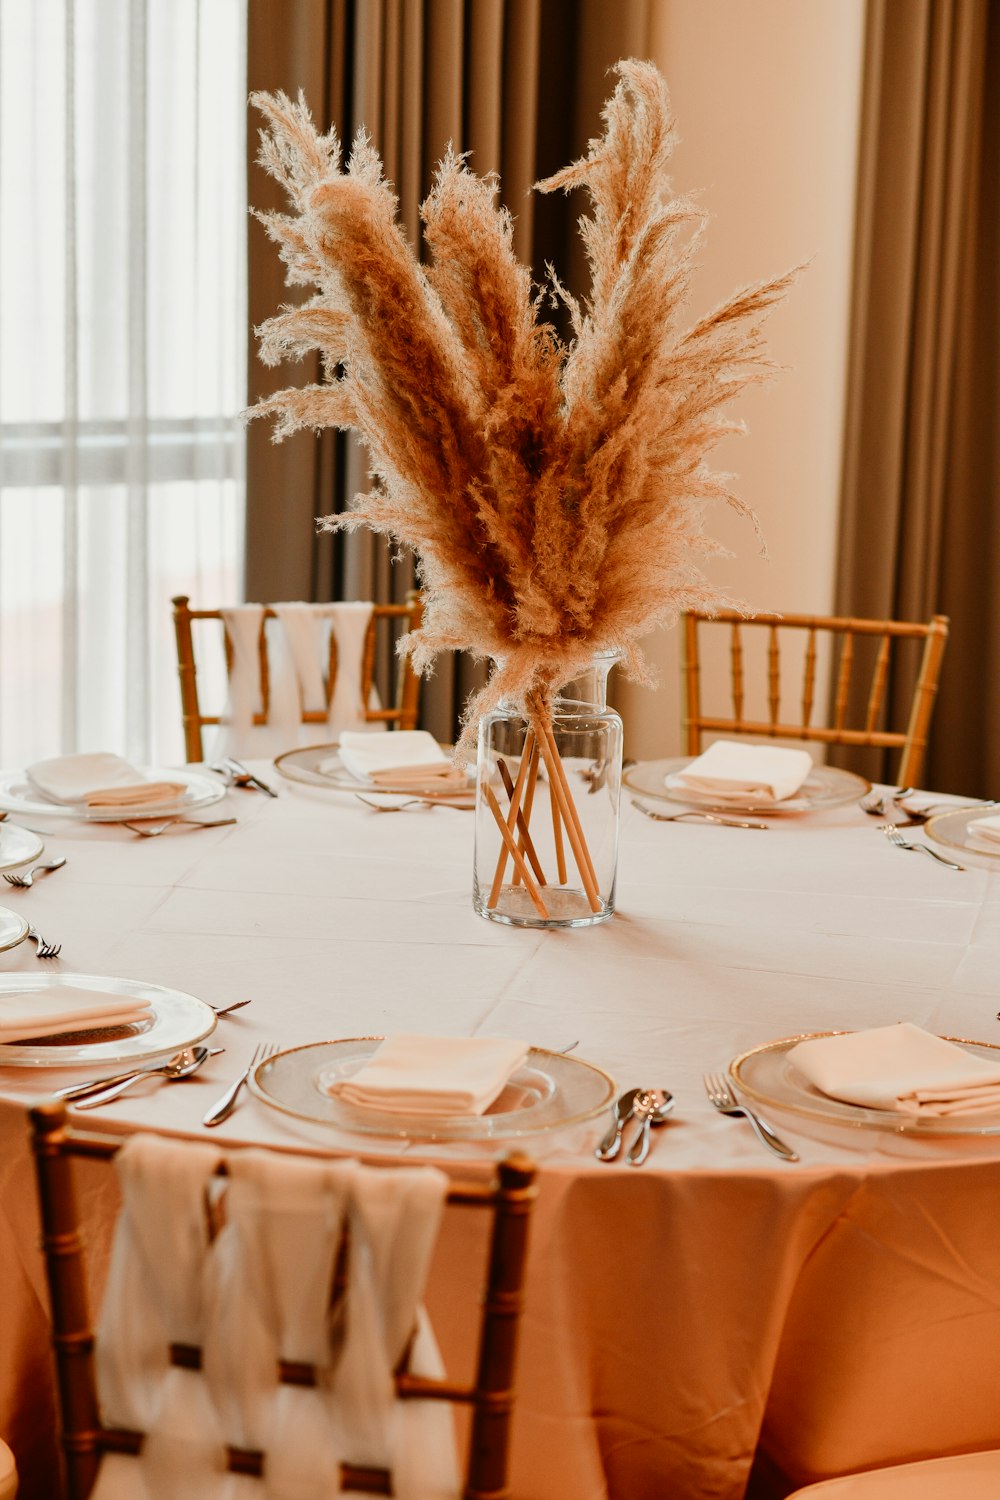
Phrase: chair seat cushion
(965, 1476)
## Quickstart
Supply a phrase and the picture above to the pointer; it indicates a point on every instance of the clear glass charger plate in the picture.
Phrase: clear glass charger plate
(17, 795)
(548, 1092)
(18, 846)
(303, 766)
(178, 1020)
(951, 830)
(766, 1074)
(13, 929)
(825, 786)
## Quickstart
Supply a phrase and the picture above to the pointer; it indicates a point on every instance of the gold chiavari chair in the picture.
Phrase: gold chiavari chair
(883, 639)
(400, 714)
(509, 1200)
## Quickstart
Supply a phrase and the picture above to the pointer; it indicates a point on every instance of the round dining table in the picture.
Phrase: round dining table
(713, 1324)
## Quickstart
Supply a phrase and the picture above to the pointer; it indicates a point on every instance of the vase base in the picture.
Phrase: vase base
(566, 907)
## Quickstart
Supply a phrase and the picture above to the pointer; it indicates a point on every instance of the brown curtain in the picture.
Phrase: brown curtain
(921, 503)
(519, 84)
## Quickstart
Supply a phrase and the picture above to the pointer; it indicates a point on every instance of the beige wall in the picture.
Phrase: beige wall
(766, 96)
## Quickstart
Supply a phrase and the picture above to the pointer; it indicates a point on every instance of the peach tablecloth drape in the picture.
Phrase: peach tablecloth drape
(841, 1312)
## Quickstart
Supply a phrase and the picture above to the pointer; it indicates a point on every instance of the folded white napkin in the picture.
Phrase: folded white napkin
(99, 780)
(434, 1075)
(768, 773)
(404, 755)
(61, 1008)
(901, 1068)
(987, 829)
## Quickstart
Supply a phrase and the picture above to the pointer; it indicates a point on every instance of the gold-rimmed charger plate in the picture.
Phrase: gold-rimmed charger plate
(303, 766)
(17, 795)
(550, 1091)
(824, 787)
(13, 929)
(18, 846)
(951, 830)
(767, 1076)
(176, 1020)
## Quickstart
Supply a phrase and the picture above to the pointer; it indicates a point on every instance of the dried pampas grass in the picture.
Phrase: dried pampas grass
(553, 493)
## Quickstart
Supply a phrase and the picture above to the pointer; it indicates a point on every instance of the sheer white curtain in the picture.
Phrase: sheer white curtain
(122, 359)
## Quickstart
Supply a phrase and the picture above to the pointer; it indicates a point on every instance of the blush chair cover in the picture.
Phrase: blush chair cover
(965, 1476)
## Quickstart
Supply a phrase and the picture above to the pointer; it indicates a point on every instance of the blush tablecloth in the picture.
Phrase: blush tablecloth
(711, 1325)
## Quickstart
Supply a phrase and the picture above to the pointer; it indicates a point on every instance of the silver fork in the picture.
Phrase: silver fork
(705, 817)
(156, 829)
(24, 881)
(44, 949)
(894, 836)
(722, 1098)
(225, 1106)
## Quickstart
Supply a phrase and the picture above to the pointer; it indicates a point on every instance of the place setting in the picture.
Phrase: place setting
(102, 788)
(734, 780)
(900, 1079)
(97, 1022)
(407, 766)
(481, 1092)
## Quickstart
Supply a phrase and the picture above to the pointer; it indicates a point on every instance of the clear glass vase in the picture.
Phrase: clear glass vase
(548, 806)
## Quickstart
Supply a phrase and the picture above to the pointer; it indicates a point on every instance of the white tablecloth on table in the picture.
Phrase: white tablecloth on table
(840, 1312)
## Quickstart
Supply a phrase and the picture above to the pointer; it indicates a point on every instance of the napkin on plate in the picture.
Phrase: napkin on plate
(434, 1075)
(404, 755)
(98, 780)
(728, 768)
(902, 1068)
(60, 1008)
(986, 829)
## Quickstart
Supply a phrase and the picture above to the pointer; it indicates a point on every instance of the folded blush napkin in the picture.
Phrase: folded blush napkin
(63, 1008)
(900, 1068)
(434, 1075)
(98, 780)
(728, 768)
(986, 829)
(398, 753)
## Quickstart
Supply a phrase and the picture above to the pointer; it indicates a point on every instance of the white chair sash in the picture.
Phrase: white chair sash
(154, 1299)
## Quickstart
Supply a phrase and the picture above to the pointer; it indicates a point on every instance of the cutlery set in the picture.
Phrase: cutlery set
(236, 774)
(23, 881)
(652, 1106)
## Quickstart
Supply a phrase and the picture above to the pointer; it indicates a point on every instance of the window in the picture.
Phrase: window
(122, 359)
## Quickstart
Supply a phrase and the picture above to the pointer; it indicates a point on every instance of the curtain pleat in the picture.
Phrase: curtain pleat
(919, 451)
(498, 79)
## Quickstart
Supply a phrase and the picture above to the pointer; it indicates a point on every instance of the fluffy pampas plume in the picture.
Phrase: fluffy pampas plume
(553, 492)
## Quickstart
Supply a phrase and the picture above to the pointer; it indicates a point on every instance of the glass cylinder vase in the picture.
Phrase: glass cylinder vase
(548, 807)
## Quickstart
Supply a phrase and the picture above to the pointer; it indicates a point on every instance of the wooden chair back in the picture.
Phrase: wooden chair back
(868, 729)
(401, 713)
(509, 1200)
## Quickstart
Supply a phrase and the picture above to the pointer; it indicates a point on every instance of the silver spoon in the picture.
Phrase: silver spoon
(173, 1070)
(621, 1113)
(652, 1108)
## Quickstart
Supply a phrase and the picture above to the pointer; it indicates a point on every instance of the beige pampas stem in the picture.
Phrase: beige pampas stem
(554, 493)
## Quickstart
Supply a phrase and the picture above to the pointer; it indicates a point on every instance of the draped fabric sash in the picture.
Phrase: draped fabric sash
(154, 1298)
(256, 1301)
(298, 643)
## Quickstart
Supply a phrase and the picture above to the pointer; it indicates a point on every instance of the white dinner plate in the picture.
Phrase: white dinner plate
(548, 1092)
(13, 928)
(18, 795)
(177, 1021)
(303, 766)
(767, 1075)
(825, 786)
(18, 846)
